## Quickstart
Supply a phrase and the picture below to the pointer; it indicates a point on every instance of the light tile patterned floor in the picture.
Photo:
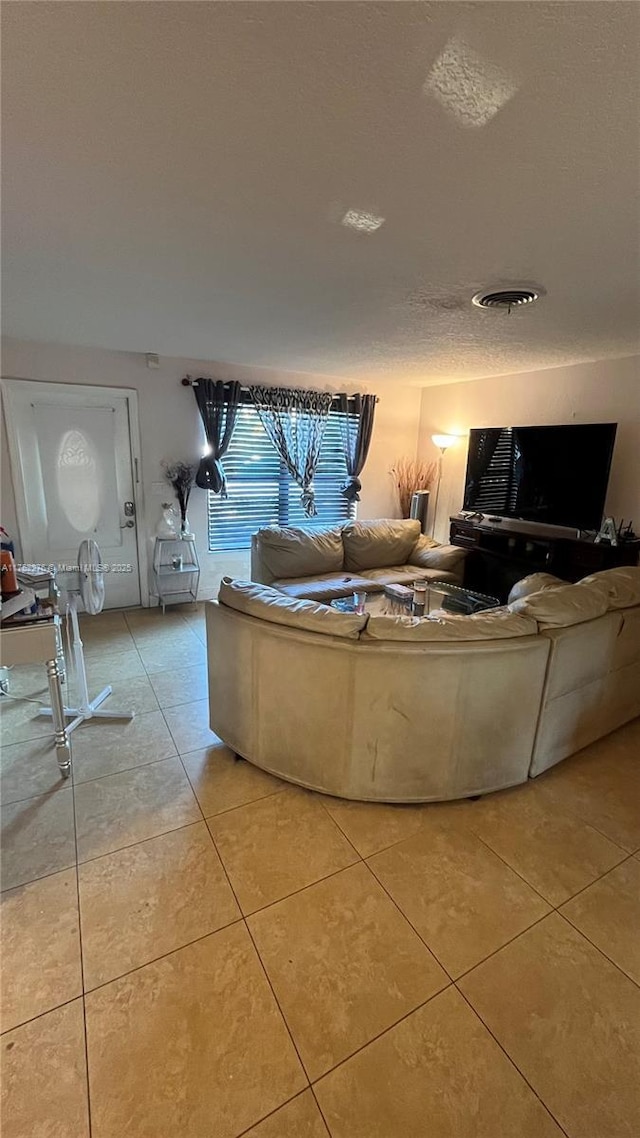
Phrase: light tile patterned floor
(192, 948)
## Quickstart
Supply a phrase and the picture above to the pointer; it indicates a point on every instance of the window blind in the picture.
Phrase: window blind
(262, 492)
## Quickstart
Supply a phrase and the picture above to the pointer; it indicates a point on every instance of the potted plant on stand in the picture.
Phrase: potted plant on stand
(181, 476)
(412, 475)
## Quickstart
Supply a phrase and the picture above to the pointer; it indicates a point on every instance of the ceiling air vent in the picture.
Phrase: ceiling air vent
(506, 298)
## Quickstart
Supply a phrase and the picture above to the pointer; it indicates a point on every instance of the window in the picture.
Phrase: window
(262, 492)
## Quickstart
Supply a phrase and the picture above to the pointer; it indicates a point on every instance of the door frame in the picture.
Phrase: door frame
(12, 384)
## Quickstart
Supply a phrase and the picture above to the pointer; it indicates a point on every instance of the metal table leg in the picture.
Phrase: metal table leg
(62, 666)
(63, 744)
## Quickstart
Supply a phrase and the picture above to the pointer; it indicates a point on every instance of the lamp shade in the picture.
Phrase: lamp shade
(444, 441)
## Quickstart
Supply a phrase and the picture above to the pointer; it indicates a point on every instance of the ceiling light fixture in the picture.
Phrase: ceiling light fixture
(361, 221)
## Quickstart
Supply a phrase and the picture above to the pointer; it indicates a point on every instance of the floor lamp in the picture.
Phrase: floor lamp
(443, 442)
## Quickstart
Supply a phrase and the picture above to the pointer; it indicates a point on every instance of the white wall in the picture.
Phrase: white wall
(170, 426)
(605, 391)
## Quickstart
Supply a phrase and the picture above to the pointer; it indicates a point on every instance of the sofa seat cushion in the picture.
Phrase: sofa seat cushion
(491, 624)
(534, 583)
(265, 603)
(300, 552)
(374, 545)
(620, 587)
(562, 607)
(405, 574)
(327, 586)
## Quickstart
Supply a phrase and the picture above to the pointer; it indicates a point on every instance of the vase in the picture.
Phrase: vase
(167, 526)
(185, 528)
(419, 508)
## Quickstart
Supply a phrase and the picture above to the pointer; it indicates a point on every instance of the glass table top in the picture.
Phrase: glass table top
(439, 596)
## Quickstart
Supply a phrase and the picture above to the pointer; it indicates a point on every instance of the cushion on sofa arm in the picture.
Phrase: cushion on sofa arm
(534, 583)
(376, 544)
(620, 587)
(559, 608)
(326, 587)
(492, 624)
(423, 544)
(447, 557)
(292, 551)
(265, 603)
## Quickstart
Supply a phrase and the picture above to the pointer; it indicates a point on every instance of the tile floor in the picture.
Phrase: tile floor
(193, 949)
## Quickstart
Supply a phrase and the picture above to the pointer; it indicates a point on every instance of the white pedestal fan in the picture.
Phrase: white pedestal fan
(87, 585)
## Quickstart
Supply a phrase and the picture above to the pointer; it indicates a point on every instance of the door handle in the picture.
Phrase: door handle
(129, 524)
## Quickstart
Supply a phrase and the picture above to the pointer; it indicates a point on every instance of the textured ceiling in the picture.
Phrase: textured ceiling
(175, 176)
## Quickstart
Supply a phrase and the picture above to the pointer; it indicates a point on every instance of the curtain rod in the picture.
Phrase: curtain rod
(187, 381)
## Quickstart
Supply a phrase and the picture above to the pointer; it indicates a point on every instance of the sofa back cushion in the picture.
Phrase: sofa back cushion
(292, 551)
(620, 587)
(376, 544)
(559, 608)
(534, 583)
(264, 603)
(492, 624)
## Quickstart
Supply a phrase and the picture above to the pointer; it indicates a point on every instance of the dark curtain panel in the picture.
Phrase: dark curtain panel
(357, 414)
(295, 421)
(218, 405)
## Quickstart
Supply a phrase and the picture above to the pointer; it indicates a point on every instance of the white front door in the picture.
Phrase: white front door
(75, 477)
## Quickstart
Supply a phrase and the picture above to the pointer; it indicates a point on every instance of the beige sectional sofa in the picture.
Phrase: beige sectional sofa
(592, 682)
(312, 564)
(398, 709)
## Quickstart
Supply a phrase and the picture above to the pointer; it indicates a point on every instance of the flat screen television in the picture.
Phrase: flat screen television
(556, 475)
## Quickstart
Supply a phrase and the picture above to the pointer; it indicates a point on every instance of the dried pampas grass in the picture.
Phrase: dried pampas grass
(412, 474)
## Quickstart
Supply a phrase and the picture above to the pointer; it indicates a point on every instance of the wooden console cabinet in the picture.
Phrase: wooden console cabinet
(501, 553)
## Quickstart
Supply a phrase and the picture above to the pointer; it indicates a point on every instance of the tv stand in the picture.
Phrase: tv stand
(503, 552)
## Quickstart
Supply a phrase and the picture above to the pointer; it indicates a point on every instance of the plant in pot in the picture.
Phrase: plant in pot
(181, 476)
(412, 474)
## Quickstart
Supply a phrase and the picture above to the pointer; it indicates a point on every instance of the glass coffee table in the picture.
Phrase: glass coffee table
(439, 598)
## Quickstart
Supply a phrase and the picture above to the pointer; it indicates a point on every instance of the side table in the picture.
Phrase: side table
(176, 570)
(39, 643)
